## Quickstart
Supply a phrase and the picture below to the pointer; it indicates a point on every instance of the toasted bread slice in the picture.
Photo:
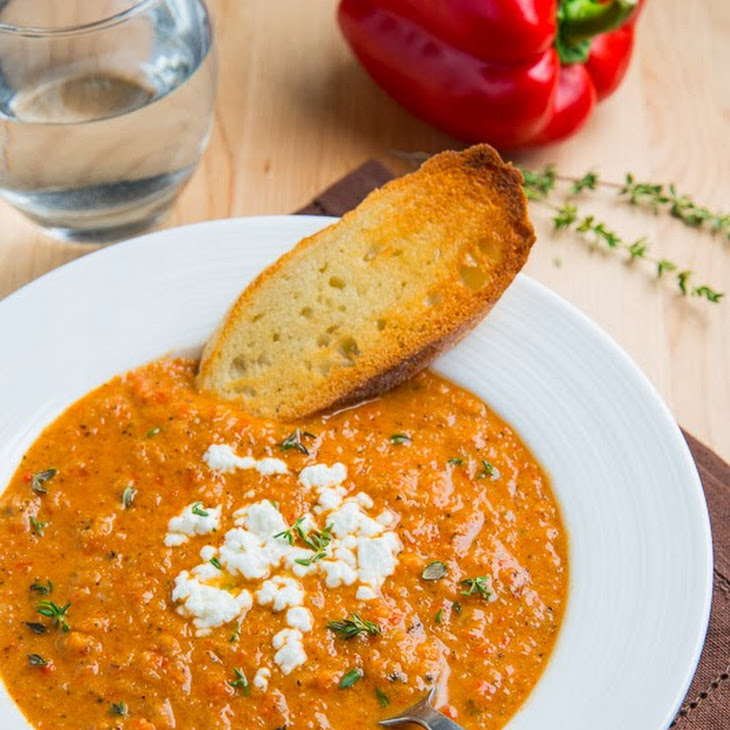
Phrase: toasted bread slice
(364, 304)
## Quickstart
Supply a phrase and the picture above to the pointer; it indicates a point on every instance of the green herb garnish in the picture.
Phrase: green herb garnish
(120, 709)
(315, 540)
(198, 510)
(439, 616)
(128, 495)
(354, 675)
(236, 633)
(216, 563)
(36, 660)
(488, 471)
(43, 590)
(289, 534)
(36, 628)
(435, 570)
(456, 461)
(349, 628)
(154, 431)
(383, 699)
(400, 438)
(58, 613)
(38, 480)
(481, 584)
(37, 526)
(457, 608)
(294, 441)
(240, 681)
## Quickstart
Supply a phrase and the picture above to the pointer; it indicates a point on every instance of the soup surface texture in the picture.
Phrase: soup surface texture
(168, 562)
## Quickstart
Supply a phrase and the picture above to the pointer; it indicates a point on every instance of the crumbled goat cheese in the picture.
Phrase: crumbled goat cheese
(365, 593)
(222, 458)
(261, 679)
(209, 607)
(188, 523)
(361, 550)
(290, 654)
(321, 476)
(280, 593)
(299, 618)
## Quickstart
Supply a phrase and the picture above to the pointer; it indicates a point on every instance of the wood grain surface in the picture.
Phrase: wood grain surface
(295, 112)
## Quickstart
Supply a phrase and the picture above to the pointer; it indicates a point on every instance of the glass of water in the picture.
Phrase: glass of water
(105, 108)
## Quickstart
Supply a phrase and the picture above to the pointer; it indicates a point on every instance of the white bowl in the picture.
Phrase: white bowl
(639, 536)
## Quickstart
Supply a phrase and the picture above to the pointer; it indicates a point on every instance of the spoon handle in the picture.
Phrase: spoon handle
(425, 716)
(430, 719)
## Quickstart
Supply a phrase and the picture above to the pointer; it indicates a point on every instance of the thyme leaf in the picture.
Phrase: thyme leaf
(128, 496)
(435, 570)
(36, 660)
(348, 679)
(400, 438)
(36, 628)
(38, 480)
(348, 628)
(383, 699)
(488, 470)
(37, 526)
(240, 681)
(41, 589)
(120, 709)
(197, 509)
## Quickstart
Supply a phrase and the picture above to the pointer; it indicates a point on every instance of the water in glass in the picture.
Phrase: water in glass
(100, 128)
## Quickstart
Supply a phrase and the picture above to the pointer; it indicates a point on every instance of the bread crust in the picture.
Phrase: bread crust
(472, 184)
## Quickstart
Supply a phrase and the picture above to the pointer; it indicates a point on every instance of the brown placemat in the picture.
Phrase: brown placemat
(707, 705)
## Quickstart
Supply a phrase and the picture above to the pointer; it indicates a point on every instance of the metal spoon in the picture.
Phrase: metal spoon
(423, 714)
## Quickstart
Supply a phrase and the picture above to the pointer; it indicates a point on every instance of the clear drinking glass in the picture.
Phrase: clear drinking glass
(105, 108)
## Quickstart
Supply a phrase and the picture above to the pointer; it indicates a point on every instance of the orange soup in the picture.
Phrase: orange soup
(168, 562)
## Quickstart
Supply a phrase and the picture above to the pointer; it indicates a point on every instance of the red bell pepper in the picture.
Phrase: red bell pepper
(514, 73)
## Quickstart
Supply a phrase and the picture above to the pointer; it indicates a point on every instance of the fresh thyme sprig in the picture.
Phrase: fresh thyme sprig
(596, 232)
(315, 540)
(49, 609)
(348, 628)
(482, 585)
(656, 196)
(294, 441)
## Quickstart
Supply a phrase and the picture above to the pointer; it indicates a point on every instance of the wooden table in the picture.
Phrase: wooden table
(295, 112)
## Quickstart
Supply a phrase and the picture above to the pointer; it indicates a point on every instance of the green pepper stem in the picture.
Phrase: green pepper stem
(580, 20)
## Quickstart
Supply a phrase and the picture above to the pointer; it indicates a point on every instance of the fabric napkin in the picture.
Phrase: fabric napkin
(707, 705)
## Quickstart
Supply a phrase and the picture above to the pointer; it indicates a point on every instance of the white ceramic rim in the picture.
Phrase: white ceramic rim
(640, 544)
